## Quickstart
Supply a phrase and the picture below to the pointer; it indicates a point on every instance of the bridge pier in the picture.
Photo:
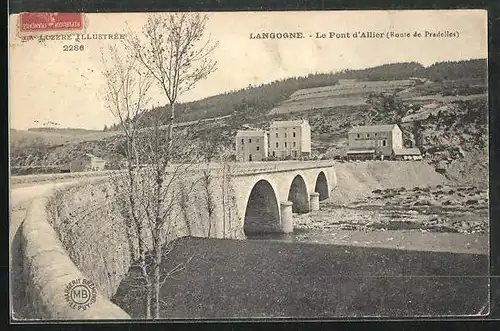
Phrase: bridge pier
(286, 217)
(314, 201)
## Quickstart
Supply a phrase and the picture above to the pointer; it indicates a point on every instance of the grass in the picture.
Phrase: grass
(245, 279)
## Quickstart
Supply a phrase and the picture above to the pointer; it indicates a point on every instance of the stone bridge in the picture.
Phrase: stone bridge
(267, 195)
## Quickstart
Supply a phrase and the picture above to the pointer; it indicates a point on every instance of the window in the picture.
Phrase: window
(285, 144)
(358, 135)
(294, 134)
(375, 134)
(276, 134)
(367, 135)
(242, 140)
(285, 134)
(294, 144)
(250, 140)
(384, 142)
(249, 157)
(274, 154)
(277, 145)
(258, 147)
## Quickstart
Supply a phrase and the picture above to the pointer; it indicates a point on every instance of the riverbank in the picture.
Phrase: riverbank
(393, 239)
(438, 209)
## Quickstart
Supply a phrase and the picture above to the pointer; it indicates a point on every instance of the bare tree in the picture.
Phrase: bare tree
(125, 96)
(209, 200)
(172, 53)
(161, 195)
(172, 50)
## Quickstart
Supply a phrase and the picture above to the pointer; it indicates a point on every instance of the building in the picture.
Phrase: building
(251, 145)
(379, 141)
(290, 139)
(88, 162)
(407, 154)
(370, 141)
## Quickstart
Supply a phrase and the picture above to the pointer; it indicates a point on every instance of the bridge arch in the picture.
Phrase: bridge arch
(299, 195)
(262, 212)
(322, 186)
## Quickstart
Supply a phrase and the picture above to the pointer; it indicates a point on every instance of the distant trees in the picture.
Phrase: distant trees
(395, 71)
(439, 71)
(454, 70)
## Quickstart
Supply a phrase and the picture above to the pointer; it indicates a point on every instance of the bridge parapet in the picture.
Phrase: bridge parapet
(246, 169)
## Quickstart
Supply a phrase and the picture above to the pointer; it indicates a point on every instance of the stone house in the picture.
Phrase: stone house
(88, 162)
(290, 139)
(251, 145)
(379, 142)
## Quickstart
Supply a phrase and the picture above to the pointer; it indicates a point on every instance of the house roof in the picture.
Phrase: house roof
(406, 151)
(250, 133)
(361, 151)
(281, 124)
(372, 128)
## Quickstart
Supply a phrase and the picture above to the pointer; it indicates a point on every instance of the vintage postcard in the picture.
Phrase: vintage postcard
(248, 165)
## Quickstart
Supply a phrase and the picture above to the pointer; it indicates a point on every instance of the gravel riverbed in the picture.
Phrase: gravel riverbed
(423, 209)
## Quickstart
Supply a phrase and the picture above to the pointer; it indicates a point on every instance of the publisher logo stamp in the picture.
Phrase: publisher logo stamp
(44, 22)
(80, 294)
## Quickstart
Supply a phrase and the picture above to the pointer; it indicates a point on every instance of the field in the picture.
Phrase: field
(346, 93)
(318, 103)
(442, 99)
(21, 138)
(28, 138)
(355, 93)
(259, 279)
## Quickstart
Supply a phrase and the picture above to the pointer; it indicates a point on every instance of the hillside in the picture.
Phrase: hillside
(446, 119)
(260, 100)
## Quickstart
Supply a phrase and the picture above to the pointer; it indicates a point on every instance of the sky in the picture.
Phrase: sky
(47, 84)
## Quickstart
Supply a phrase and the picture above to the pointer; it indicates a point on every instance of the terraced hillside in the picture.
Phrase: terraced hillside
(345, 93)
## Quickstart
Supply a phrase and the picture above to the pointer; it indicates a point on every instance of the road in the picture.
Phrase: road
(21, 196)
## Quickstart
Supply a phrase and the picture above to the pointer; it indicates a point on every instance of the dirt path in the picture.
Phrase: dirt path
(22, 194)
(21, 197)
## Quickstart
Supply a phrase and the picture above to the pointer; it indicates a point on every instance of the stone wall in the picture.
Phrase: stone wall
(47, 270)
(79, 231)
(89, 219)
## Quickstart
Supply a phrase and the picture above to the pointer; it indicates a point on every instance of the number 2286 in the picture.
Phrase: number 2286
(71, 48)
